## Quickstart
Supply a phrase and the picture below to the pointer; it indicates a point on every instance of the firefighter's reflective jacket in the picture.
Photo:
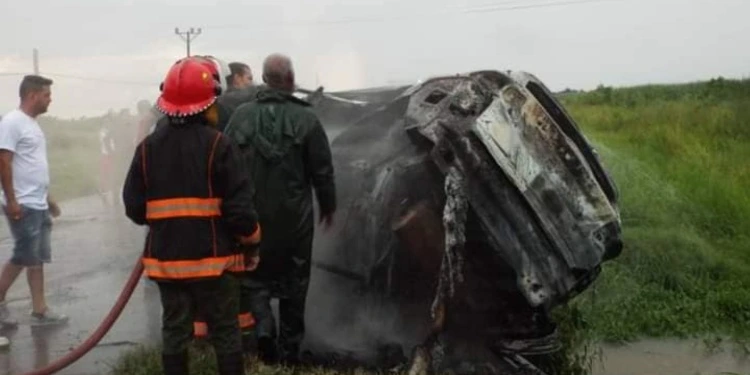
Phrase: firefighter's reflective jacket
(188, 184)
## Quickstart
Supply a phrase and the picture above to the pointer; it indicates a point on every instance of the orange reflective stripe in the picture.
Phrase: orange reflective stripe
(236, 263)
(183, 207)
(200, 329)
(246, 320)
(186, 269)
(252, 239)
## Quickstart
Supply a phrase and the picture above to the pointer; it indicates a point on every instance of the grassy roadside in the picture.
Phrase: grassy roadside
(147, 361)
(679, 155)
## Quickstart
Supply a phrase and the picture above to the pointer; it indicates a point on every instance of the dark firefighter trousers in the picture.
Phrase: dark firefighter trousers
(289, 283)
(245, 320)
(218, 300)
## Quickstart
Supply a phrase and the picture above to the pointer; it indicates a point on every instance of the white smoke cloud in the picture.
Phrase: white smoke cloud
(340, 68)
(91, 85)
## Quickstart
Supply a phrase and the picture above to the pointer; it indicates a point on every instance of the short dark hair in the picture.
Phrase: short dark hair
(32, 83)
(236, 68)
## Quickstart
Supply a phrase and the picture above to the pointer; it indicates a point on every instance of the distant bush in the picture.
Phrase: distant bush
(713, 91)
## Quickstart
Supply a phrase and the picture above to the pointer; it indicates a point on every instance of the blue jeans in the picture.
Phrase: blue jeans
(32, 237)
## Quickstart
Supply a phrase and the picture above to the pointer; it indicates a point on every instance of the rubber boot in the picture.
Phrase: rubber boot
(249, 345)
(231, 364)
(175, 364)
(267, 351)
(289, 355)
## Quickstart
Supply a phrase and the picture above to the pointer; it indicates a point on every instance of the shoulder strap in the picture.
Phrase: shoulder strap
(211, 164)
(144, 169)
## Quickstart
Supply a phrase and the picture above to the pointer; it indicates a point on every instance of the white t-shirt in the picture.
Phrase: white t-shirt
(107, 144)
(22, 135)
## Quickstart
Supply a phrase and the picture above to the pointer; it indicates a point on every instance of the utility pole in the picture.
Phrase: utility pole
(36, 61)
(188, 36)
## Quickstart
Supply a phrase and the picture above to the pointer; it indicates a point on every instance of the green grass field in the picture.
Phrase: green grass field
(74, 154)
(680, 157)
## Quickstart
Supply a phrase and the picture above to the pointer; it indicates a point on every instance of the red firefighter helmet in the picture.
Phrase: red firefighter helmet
(191, 86)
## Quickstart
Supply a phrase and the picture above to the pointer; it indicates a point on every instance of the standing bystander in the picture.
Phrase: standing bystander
(106, 164)
(24, 174)
(288, 157)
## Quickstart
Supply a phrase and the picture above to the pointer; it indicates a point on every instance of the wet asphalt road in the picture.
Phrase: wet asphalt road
(93, 254)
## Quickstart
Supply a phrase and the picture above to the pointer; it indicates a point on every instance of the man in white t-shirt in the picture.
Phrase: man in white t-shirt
(24, 176)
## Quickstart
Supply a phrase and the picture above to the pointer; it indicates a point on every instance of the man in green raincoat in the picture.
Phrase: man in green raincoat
(288, 154)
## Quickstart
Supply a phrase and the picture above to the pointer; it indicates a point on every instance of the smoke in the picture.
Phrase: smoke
(12, 64)
(90, 85)
(346, 317)
(344, 321)
(340, 69)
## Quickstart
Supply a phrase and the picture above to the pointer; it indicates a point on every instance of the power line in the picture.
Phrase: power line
(103, 80)
(82, 78)
(506, 2)
(512, 5)
(491, 9)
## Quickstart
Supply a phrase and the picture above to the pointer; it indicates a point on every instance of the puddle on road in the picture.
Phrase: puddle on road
(36, 347)
(671, 357)
(92, 261)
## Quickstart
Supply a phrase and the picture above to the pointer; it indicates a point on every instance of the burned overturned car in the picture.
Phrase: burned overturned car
(469, 207)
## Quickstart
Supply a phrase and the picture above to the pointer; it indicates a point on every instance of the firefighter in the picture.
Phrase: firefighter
(186, 182)
(287, 149)
(231, 97)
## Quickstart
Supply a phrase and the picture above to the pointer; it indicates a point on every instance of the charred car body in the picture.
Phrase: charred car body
(469, 207)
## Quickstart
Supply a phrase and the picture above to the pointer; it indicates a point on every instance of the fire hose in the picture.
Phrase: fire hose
(102, 330)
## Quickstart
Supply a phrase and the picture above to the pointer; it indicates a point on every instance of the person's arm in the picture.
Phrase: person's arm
(319, 165)
(13, 209)
(54, 208)
(237, 207)
(134, 189)
(9, 137)
(236, 189)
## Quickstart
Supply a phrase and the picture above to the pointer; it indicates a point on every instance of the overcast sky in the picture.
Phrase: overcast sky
(340, 44)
